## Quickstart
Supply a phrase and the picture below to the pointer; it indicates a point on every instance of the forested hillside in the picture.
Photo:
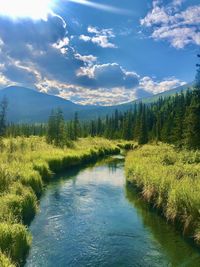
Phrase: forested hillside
(30, 106)
(174, 119)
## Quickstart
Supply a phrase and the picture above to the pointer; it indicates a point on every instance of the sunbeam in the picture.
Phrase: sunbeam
(34, 9)
(102, 7)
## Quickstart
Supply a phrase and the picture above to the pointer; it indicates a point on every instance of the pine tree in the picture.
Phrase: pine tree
(158, 126)
(3, 113)
(177, 134)
(56, 129)
(128, 126)
(192, 121)
(51, 128)
(143, 133)
(60, 137)
(99, 127)
(197, 78)
(76, 126)
(192, 131)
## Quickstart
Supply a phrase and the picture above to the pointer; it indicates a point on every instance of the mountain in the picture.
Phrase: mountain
(103, 111)
(171, 92)
(29, 106)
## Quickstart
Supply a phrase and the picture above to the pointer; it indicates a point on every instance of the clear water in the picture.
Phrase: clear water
(90, 217)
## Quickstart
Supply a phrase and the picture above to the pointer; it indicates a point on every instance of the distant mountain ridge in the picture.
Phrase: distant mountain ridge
(27, 105)
(168, 93)
(30, 106)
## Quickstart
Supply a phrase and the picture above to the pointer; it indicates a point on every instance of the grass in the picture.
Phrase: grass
(26, 164)
(14, 240)
(5, 261)
(170, 181)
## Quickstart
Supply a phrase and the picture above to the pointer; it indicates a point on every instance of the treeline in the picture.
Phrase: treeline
(175, 119)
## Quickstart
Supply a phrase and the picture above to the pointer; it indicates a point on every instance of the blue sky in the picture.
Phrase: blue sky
(103, 52)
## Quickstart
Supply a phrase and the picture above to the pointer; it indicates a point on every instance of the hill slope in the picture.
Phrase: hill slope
(103, 111)
(29, 106)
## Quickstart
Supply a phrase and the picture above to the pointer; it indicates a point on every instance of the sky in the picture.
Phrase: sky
(102, 52)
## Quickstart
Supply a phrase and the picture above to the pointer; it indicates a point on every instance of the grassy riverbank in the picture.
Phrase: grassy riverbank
(169, 180)
(25, 165)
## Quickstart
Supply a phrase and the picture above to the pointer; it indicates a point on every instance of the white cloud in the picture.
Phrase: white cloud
(103, 95)
(179, 27)
(88, 59)
(177, 2)
(155, 87)
(62, 45)
(156, 16)
(97, 31)
(101, 37)
(83, 95)
(4, 81)
(179, 37)
(84, 38)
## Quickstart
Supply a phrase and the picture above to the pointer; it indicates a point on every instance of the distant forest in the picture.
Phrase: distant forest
(173, 119)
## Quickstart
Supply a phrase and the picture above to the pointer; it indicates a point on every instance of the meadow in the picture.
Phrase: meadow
(26, 165)
(169, 179)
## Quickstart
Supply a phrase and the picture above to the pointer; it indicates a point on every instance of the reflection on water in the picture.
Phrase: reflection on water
(91, 218)
(178, 250)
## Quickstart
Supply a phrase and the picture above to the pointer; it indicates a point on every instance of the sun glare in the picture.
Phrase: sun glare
(34, 9)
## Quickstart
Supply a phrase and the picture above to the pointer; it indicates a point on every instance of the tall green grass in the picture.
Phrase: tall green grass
(26, 164)
(169, 180)
(5, 261)
(14, 240)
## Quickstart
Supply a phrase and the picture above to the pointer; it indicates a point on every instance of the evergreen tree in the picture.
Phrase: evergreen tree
(51, 128)
(192, 131)
(177, 134)
(99, 127)
(143, 132)
(76, 127)
(197, 78)
(60, 137)
(56, 129)
(128, 127)
(3, 113)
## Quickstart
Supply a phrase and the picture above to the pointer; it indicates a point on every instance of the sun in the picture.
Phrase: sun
(34, 9)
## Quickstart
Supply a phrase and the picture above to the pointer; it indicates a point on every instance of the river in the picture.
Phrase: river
(90, 217)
